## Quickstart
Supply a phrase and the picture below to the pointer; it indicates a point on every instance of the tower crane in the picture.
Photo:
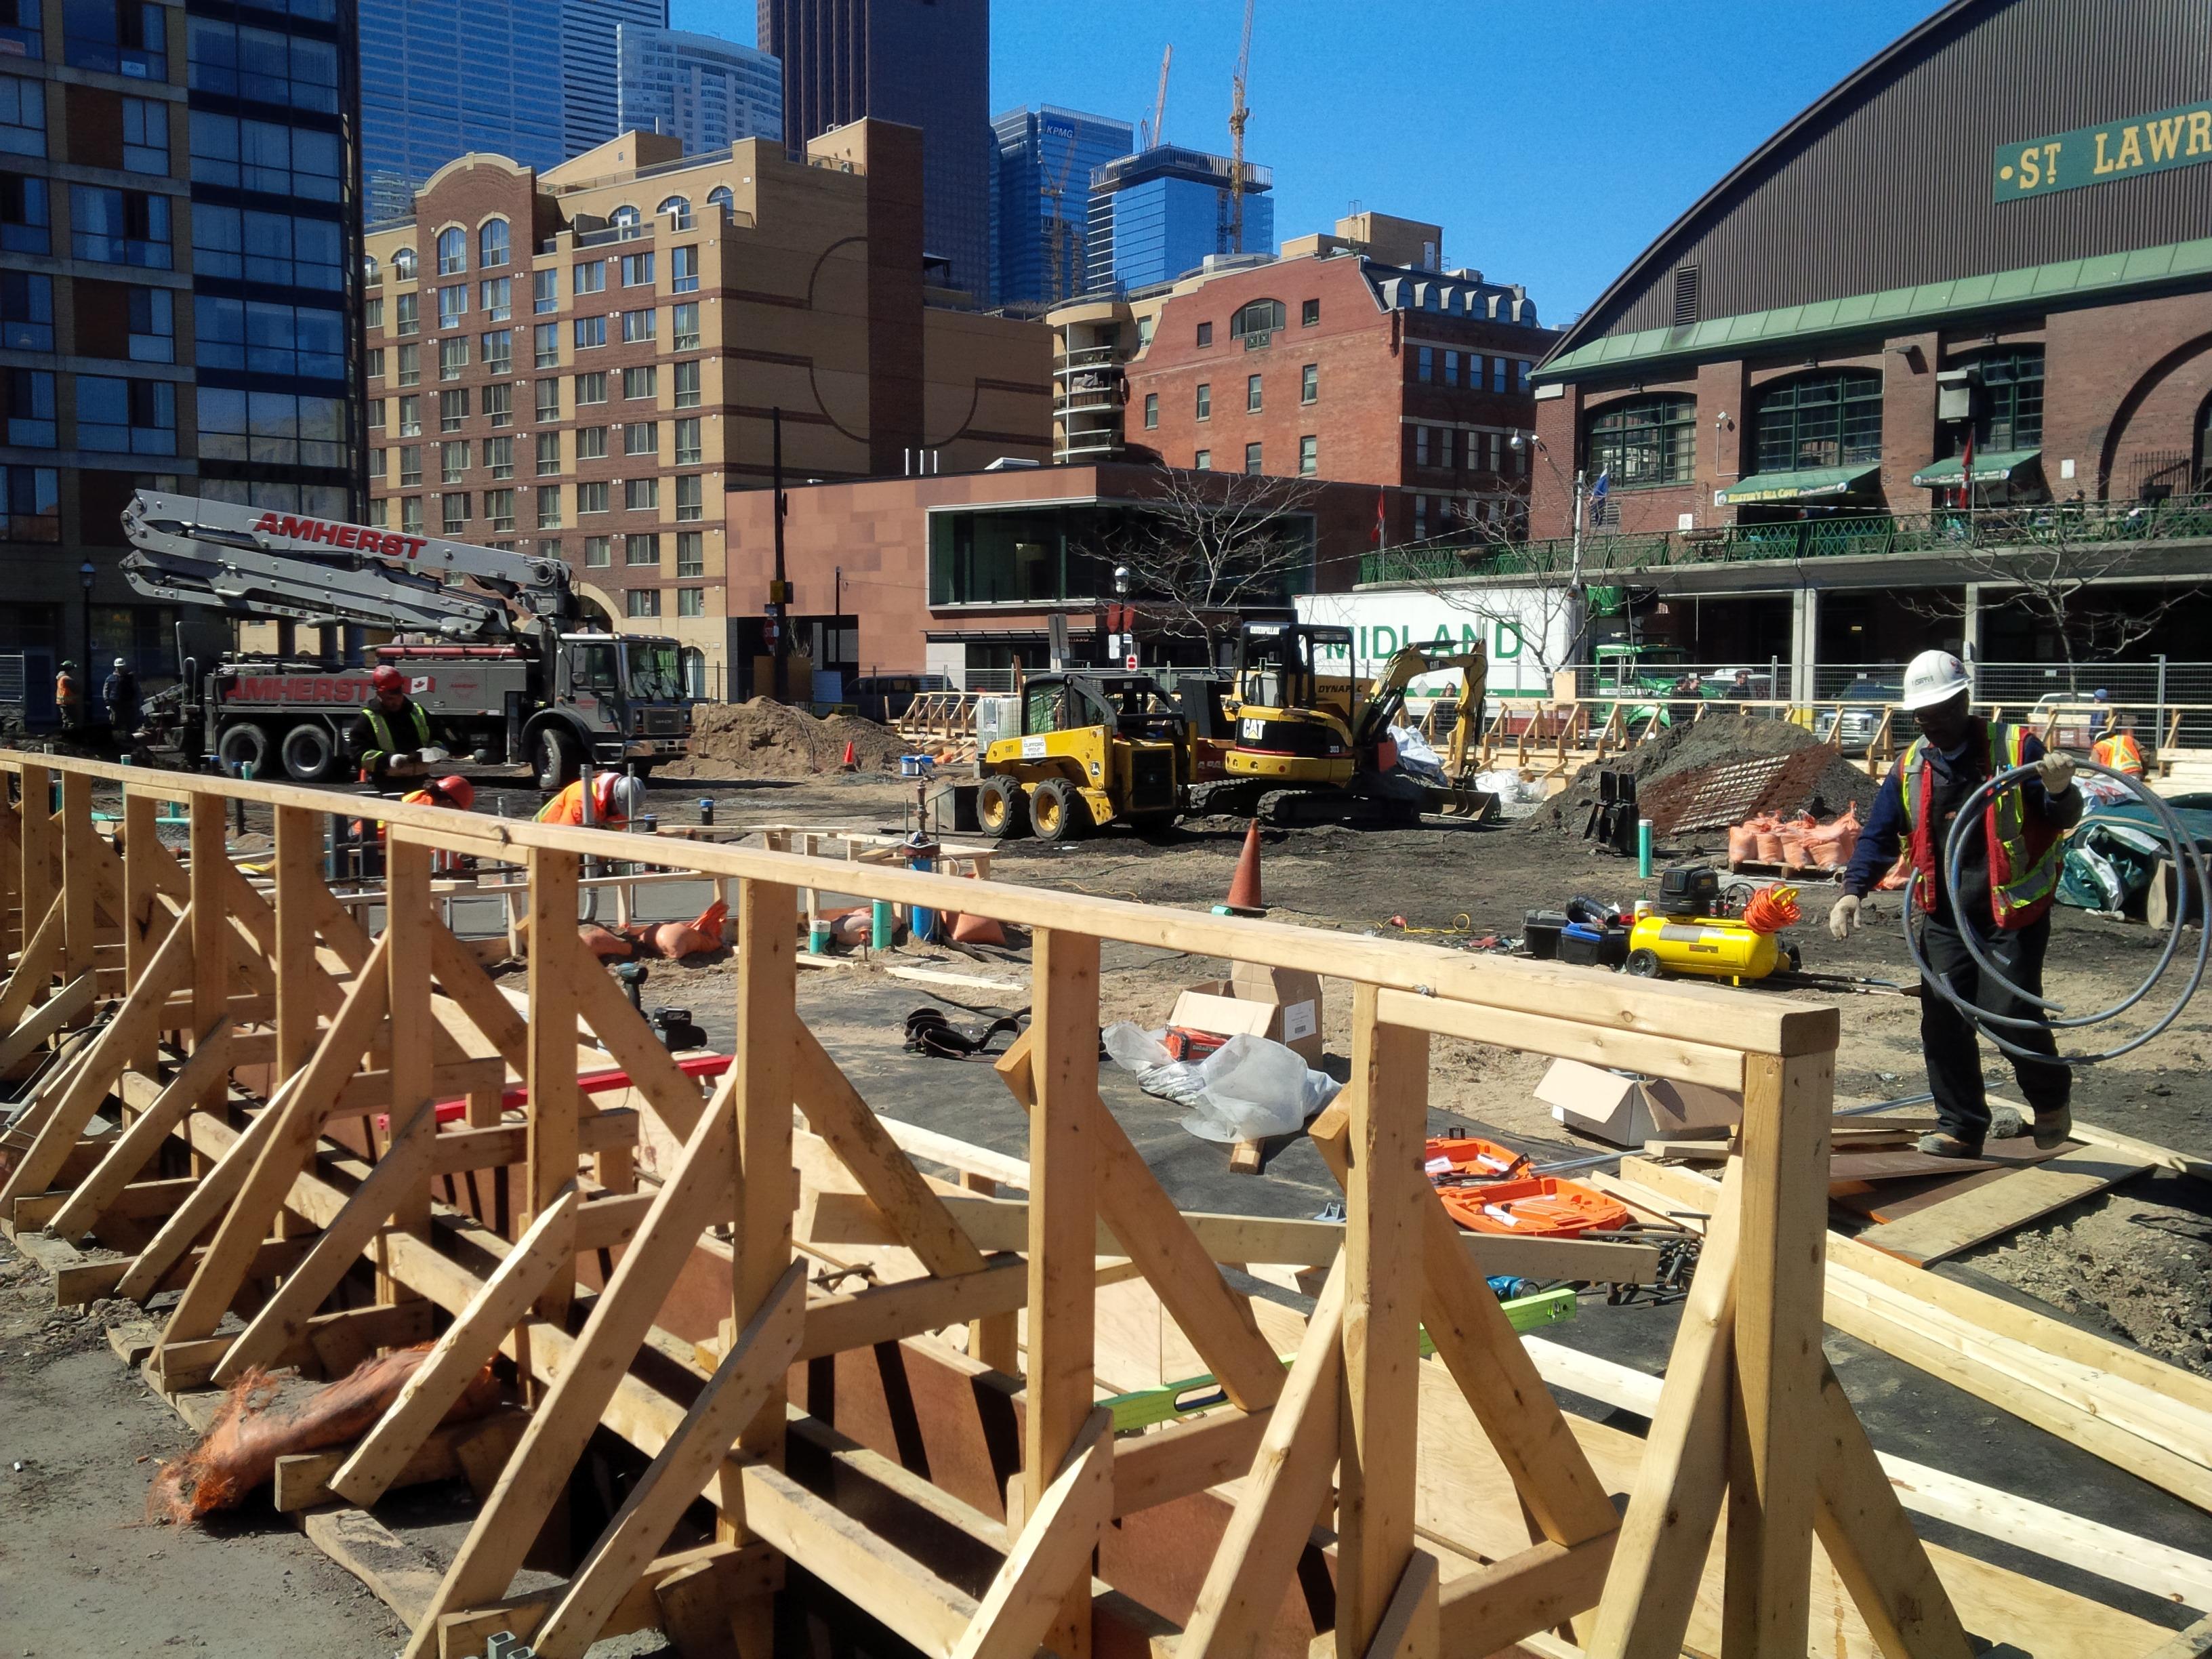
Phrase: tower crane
(1239, 111)
(1154, 132)
(1055, 224)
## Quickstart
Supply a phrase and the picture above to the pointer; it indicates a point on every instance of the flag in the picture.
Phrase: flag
(1598, 494)
(1381, 528)
(1966, 472)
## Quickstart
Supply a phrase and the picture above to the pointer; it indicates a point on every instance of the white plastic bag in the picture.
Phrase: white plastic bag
(1508, 785)
(1254, 1088)
(1416, 755)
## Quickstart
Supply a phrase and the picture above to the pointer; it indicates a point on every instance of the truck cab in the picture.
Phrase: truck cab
(617, 699)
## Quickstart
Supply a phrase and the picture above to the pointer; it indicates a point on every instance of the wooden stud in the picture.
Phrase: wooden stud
(995, 1339)
(135, 1146)
(462, 977)
(890, 1313)
(1409, 1628)
(51, 1018)
(36, 964)
(144, 920)
(299, 854)
(407, 920)
(555, 1099)
(79, 882)
(1054, 1551)
(209, 924)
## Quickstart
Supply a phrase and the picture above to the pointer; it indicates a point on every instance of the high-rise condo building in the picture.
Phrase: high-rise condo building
(1158, 214)
(709, 93)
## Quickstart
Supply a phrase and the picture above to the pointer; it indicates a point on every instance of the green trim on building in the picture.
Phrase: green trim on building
(1891, 310)
(1806, 484)
(1995, 467)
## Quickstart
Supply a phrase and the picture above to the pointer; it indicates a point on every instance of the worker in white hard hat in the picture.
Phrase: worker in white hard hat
(615, 801)
(2007, 876)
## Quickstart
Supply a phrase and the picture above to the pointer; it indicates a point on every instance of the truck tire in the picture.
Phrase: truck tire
(307, 752)
(1000, 808)
(242, 746)
(1057, 812)
(555, 756)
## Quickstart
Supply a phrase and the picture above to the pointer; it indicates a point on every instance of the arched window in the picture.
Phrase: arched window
(677, 209)
(1257, 317)
(403, 264)
(723, 197)
(452, 250)
(1644, 440)
(369, 269)
(1820, 420)
(625, 215)
(491, 244)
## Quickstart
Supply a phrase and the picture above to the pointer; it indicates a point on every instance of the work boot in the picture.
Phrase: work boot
(2006, 1124)
(1942, 1146)
(2052, 1128)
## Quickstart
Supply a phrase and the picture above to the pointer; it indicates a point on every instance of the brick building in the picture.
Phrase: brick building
(1792, 375)
(1352, 357)
(588, 359)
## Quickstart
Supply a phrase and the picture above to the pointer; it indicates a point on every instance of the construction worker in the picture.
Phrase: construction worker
(2118, 750)
(452, 790)
(615, 801)
(387, 736)
(69, 697)
(120, 695)
(2007, 876)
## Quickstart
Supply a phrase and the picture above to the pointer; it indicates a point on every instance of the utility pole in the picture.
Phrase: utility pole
(1576, 586)
(779, 590)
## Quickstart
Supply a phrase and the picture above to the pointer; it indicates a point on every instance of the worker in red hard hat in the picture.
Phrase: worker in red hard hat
(388, 736)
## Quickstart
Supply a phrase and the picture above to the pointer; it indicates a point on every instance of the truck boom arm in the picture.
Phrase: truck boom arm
(253, 562)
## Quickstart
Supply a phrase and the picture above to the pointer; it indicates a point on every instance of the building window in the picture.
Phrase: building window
(637, 270)
(549, 506)
(690, 553)
(549, 400)
(644, 381)
(411, 466)
(1252, 462)
(30, 504)
(683, 325)
(1420, 446)
(689, 449)
(453, 358)
(452, 250)
(24, 225)
(687, 384)
(376, 362)
(1497, 373)
(642, 495)
(452, 304)
(139, 416)
(453, 410)
(1425, 365)
(496, 295)
(498, 511)
(2011, 413)
(410, 514)
(31, 408)
(637, 326)
(403, 265)
(1451, 369)
(591, 498)
(1151, 411)
(491, 244)
(1820, 420)
(26, 311)
(1309, 313)
(691, 601)
(499, 404)
(1202, 461)
(118, 37)
(690, 497)
(1256, 320)
(545, 345)
(121, 227)
(1420, 518)
(544, 291)
(23, 116)
(378, 461)
(452, 462)
(1523, 369)
(1205, 334)
(641, 550)
(154, 332)
(641, 438)
(455, 507)
(597, 549)
(590, 331)
(549, 454)
(371, 313)
(677, 211)
(1309, 456)
(410, 416)
(591, 443)
(376, 409)
(19, 22)
(406, 314)
(1252, 394)
(683, 270)
(1204, 407)
(642, 602)
(379, 512)
(724, 198)
(591, 277)
(1645, 441)
(499, 457)
(410, 365)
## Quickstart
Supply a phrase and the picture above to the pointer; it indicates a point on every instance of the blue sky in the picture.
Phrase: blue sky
(1551, 140)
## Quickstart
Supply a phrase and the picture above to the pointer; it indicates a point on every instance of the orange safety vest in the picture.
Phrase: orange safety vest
(2119, 751)
(568, 806)
(2024, 856)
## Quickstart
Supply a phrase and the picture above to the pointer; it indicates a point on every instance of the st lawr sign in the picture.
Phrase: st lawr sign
(2104, 155)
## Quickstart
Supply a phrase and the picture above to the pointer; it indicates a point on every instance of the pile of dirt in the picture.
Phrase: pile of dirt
(764, 738)
(1713, 741)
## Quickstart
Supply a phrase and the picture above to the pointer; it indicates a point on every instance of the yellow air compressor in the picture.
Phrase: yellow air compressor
(1683, 936)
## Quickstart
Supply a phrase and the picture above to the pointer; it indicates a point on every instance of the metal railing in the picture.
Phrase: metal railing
(1870, 535)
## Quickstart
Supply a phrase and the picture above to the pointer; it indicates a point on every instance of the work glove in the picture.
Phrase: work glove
(1844, 917)
(2055, 772)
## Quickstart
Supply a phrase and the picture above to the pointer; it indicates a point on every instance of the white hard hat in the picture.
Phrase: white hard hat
(627, 796)
(119, 662)
(1934, 677)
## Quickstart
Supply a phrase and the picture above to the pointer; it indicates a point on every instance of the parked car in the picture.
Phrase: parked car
(885, 697)
(1851, 726)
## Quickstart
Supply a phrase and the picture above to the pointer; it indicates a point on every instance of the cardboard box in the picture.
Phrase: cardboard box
(1627, 1111)
(1283, 1004)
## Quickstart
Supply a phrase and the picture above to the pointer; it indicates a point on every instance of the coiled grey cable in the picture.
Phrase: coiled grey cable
(2186, 857)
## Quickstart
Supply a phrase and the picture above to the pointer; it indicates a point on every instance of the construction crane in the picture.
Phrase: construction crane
(1055, 224)
(1152, 133)
(1239, 111)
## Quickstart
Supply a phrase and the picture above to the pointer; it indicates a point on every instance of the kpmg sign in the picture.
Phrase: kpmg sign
(2103, 155)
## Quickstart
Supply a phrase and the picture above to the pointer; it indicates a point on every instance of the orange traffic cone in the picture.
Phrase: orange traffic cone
(851, 762)
(1244, 898)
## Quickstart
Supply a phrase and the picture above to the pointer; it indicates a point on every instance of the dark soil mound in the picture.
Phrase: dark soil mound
(764, 738)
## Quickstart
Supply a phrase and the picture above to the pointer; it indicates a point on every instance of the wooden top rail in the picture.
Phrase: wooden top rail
(1607, 1019)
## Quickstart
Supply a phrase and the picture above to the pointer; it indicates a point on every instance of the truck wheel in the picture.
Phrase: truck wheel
(307, 753)
(555, 756)
(1057, 812)
(1643, 964)
(244, 745)
(999, 808)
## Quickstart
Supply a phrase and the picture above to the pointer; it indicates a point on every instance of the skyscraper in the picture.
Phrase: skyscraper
(1041, 199)
(1159, 213)
(709, 93)
(589, 95)
(925, 63)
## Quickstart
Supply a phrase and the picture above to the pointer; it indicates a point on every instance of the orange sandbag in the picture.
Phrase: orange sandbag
(239, 1451)
(1832, 844)
(976, 930)
(605, 943)
(1743, 838)
(1793, 855)
(1770, 846)
(673, 939)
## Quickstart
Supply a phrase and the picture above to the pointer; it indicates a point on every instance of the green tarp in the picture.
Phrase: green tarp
(2113, 851)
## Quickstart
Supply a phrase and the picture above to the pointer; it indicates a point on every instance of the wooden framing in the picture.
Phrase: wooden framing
(342, 1026)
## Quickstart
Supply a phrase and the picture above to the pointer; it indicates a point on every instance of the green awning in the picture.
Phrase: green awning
(1809, 484)
(1995, 467)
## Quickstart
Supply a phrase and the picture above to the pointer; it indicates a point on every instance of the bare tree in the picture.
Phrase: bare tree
(1552, 603)
(1204, 546)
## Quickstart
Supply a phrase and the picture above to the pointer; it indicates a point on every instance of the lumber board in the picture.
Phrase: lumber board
(727, 1571)
(397, 1573)
(1052, 1553)
(302, 1481)
(1178, 1459)
(1540, 1588)
(887, 1313)
(2003, 1207)
(47, 1019)
(81, 1211)
(349, 1335)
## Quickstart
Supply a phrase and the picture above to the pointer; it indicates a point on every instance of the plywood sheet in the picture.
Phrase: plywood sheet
(2020, 1197)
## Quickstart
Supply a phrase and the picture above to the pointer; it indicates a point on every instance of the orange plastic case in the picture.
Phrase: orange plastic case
(1505, 1199)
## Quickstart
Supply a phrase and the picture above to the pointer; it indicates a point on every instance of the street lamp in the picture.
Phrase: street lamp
(85, 573)
(1522, 440)
(1118, 624)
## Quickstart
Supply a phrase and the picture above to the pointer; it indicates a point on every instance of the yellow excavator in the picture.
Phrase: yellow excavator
(1312, 746)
